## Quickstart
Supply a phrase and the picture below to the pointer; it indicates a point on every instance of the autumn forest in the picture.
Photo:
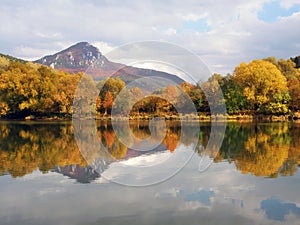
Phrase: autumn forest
(261, 87)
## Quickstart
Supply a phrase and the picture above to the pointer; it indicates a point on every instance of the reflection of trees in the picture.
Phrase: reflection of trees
(24, 148)
(261, 157)
(235, 137)
(293, 161)
(263, 149)
(140, 130)
(109, 139)
(172, 138)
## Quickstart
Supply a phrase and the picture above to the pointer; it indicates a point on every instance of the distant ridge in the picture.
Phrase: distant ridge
(296, 60)
(13, 59)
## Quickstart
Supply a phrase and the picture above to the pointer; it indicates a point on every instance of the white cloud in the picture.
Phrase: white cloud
(192, 16)
(103, 46)
(287, 4)
(161, 67)
(170, 31)
(32, 29)
(29, 53)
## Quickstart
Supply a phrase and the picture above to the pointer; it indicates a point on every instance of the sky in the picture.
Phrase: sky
(222, 33)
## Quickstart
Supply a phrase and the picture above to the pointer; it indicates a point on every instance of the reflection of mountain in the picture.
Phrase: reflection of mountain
(81, 174)
(84, 174)
(91, 172)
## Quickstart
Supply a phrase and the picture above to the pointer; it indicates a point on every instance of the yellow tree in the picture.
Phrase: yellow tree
(260, 81)
(4, 62)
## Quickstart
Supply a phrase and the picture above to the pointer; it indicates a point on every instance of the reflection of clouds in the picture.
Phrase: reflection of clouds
(47, 191)
(277, 210)
(233, 201)
(197, 198)
(202, 196)
(147, 160)
(244, 187)
(193, 205)
(171, 193)
(143, 170)
(31, 176)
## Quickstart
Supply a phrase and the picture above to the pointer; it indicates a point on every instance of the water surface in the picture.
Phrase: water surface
(253, 178)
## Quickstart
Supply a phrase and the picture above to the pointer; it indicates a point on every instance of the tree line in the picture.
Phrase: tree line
(268, 86)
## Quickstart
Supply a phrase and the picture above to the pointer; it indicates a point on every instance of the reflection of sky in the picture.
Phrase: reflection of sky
(217, 195)
(277, 210)
(202, 196)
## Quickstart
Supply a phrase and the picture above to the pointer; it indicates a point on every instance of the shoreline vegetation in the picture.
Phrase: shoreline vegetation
(187, 117)
(262, 90)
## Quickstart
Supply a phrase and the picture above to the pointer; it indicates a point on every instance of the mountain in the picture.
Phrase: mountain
(83, 56)
(74, 59)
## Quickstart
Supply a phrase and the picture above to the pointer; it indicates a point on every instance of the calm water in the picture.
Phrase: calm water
(252, 179)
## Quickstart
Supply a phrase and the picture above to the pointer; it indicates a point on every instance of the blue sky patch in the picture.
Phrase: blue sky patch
(272, 11)
(199, 25)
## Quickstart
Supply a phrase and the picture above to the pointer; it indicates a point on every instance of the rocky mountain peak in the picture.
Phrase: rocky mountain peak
(75, 59)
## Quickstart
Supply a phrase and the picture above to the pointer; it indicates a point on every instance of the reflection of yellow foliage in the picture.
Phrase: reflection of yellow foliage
(140, 130)
(118, 150)
(171, 140)
(4, 131)
(218, 157)
(171, 136)
(41, 148)
(262, 157)
(110, 141)
(109, 138)
(294, 154)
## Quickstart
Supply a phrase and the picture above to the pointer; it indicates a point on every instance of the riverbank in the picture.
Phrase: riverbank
(184, 117)
(208, 118)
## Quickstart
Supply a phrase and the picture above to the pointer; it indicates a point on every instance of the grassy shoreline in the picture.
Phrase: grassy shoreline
(186, 117)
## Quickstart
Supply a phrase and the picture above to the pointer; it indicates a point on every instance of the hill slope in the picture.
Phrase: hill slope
(12, 59)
